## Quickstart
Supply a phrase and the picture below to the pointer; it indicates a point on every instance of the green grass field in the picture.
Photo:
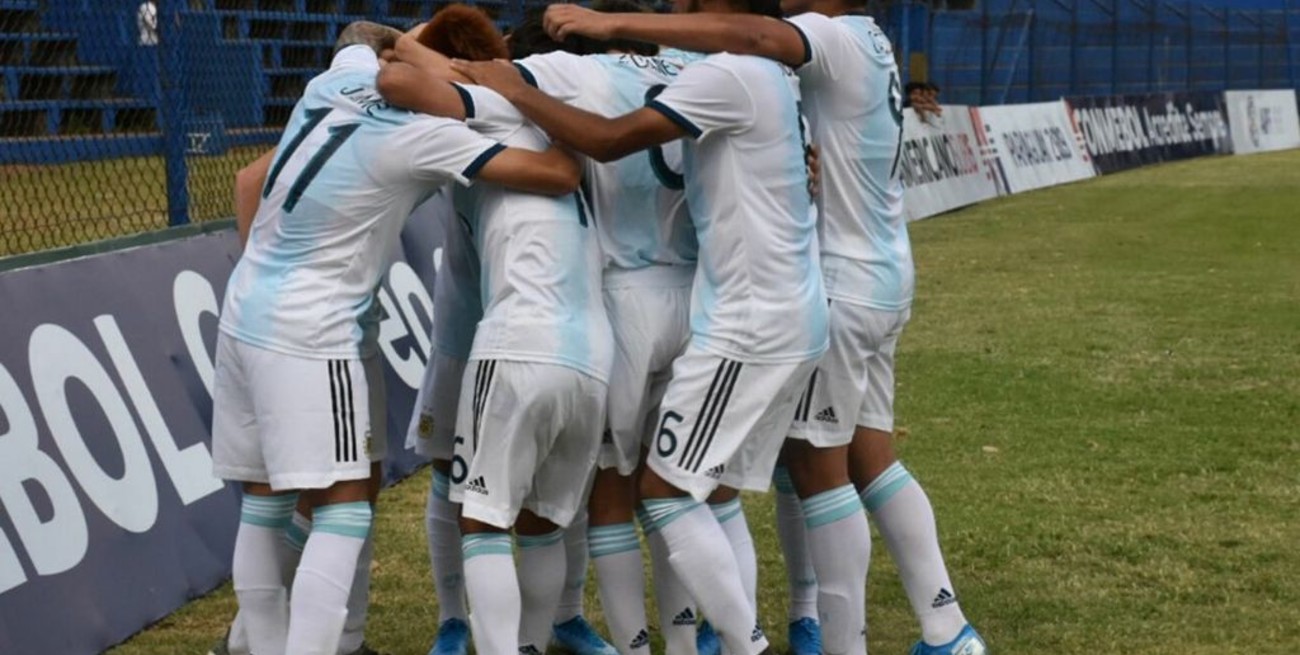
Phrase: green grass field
(44, 207)
(1099, 390)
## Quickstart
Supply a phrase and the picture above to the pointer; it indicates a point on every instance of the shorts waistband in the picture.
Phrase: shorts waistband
(649, 277)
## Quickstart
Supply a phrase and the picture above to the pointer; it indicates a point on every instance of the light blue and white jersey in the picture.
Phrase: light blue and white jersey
(347, 174)
(540, 259)
(853, 97)
(457, 303)
(638, 201)
(758, 293)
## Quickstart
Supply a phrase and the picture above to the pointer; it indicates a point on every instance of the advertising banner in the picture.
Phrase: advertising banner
(1123, 132)
(940, 163)
(1262, 121)
(1030, 146)
(109, 515)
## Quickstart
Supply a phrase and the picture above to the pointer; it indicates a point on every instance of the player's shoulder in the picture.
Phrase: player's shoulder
(558, 59)
(868, 34)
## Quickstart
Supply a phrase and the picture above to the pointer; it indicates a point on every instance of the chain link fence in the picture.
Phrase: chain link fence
(125, 116)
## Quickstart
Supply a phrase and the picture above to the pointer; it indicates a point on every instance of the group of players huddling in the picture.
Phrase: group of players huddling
(643, 307)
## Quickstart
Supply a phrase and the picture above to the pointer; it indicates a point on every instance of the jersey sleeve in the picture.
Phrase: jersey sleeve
(442, 149)
(488, 112)
(823, 43)
(706, 98)
(559, 74)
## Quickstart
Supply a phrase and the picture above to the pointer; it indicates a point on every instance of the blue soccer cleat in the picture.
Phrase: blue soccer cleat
(578, 637)
(452, 639)
(707, 641)
(805, 636)
(967, 642)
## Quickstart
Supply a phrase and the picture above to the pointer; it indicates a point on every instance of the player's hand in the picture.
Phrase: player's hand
(813, 158)
(561, 21)
(499, 75)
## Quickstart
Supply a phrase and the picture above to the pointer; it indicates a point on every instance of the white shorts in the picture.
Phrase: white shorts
(433, 424)
(854, 382)
(294, 422)
(723, 421)
(526, 438)
(651, 329)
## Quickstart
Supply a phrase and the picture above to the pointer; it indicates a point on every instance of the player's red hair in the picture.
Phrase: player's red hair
(463, 32)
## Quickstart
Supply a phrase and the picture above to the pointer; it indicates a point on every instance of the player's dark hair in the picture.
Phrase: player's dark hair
(530, 38)
(621, 45)
(770, 8)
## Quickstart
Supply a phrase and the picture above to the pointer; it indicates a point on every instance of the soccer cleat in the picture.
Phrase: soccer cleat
(452, 639)
(707, 641)
(967, 642)
(578, 637)
(805, 636)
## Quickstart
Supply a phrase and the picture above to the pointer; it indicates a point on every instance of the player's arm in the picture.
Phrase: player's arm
(409, 50)
(408, 86)
(551, 173)
(742, 34)
(603, 139)
(248, 193)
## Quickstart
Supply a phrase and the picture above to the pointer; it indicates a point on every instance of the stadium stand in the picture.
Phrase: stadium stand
(72, 68)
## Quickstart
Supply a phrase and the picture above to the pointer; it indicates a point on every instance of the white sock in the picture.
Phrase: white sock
(354, 629)
(319, 601)
(840, 544)
(906, 521)
(792, 535)
(575, 555)
(704, 562)
(237, 637)
(441, 522)
(541, 582)
(620, 578)
(256, 570)
(676, 607)
(731, 516)
(492, 586)
(289, 551)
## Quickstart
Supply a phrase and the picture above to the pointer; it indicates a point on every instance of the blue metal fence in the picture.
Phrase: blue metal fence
(1029, 50)
(120, 116)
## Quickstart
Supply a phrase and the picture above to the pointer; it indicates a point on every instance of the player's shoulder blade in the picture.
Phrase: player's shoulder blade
(873, 39)
(651, 66)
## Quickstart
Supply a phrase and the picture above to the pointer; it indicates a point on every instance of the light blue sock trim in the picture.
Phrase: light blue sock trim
(831, 506)
(538, 541)
(605, 540)
(441, 485)
(268, 511)
(885, 486)
(782, 481)
(486, 543)
(663, 511)
(647, 526)
(295, 534)
(726, 511)
(344, 519)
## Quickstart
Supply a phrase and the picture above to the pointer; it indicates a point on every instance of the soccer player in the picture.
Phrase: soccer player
(649, 252)
(758, 309)
(466, 32)
(294, 404)
(532, 401)
(843, 428)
